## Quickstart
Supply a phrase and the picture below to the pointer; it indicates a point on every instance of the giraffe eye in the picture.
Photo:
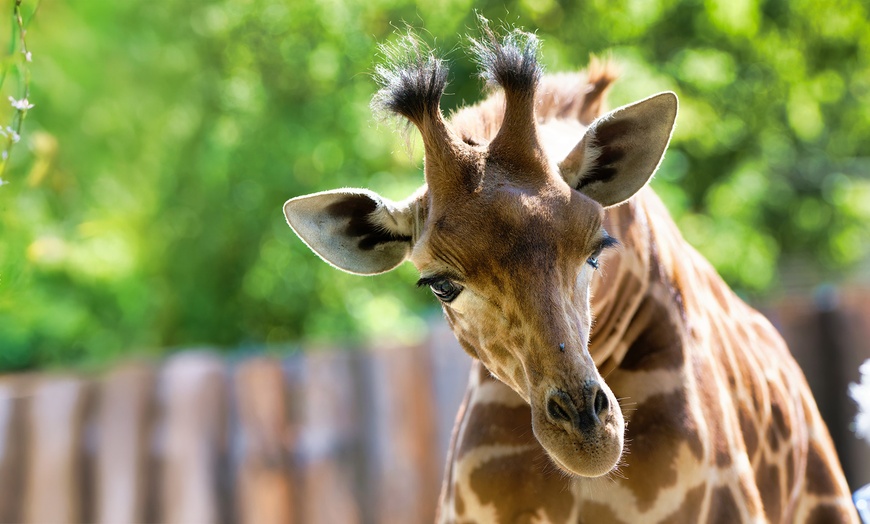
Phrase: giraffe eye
(593, 260)
(444, 287)
(606, 242)
(446, 290)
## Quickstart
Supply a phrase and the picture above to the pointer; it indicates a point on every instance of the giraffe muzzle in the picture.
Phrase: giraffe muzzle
(580, 426)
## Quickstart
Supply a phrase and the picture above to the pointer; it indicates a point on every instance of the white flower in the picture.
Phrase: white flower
(11, 132)
(3, 182)
(28, 56)
(21, 105)
(860, 393)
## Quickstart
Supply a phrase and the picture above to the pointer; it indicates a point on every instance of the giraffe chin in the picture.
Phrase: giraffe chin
(589, 452)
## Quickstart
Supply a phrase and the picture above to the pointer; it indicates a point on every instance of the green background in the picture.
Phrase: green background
(142, 208)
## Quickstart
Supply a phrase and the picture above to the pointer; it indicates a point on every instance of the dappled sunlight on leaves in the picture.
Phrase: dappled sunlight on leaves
(141, 208)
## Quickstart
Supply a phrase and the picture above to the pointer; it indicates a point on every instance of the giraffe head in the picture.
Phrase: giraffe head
(506, 232)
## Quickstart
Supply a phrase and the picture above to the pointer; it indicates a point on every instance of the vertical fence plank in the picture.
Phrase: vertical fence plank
(123, 429)
(265, 486)
(408, 466)
(330, 429)
(53, 491)
(14, 393)
(194, 407)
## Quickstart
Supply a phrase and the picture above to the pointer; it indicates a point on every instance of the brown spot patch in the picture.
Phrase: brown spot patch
(828, 514)
(458, 501)
(714, 415)
(767, 480)
(749, 430)
(723, 507)
(519, 375)
(779, 411)
(789, 470)
(466, 345)
(690, 509)
(772, 438)
(496, 424)
(659, 427)
(499, 353)
(820, 478)
(595, 513)
(518, 485)
(659, 346)
(609, 307)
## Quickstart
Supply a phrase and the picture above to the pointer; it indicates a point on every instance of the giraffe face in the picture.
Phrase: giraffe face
(512, 265)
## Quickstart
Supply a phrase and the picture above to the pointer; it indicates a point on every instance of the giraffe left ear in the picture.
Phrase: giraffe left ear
(355, 230)
(621, 150)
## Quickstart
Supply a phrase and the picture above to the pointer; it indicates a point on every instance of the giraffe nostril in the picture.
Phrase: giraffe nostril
(556, 410)
(601, 404)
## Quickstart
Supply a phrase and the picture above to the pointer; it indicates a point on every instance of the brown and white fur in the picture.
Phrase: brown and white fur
(679, 403)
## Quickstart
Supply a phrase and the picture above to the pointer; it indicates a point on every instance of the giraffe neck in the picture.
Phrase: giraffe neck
(721, 424)
(636, 290)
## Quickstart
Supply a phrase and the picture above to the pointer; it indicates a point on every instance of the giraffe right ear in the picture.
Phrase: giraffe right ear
(621, 150)
(355, 230)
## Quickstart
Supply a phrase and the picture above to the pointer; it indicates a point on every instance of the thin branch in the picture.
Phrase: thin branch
(12, 132)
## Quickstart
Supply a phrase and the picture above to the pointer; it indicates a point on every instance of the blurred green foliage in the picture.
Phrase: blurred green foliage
(143, 204)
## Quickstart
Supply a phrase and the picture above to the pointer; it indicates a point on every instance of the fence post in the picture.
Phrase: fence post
(330, 427)
(14, 398)
(194, 435)
(407, 452)
(53, 491)
(124, 416)
(265, 488)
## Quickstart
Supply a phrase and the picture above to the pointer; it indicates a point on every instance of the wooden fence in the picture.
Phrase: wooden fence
(324, 436)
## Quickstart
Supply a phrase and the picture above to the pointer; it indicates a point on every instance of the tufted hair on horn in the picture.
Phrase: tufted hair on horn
(511, 62)
(412, 79)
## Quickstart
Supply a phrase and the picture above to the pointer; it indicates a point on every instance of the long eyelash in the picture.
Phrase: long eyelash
(428, 281)
(448, 275)
(608, 241)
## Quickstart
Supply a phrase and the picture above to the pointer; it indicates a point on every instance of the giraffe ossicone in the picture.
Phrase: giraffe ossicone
(525, 195)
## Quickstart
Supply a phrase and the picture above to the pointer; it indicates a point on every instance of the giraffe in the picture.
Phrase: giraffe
(679, 403)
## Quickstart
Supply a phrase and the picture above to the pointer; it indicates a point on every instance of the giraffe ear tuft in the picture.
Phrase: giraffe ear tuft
(355, 230)
(621, 150)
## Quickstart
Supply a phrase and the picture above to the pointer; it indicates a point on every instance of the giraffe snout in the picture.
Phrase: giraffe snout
(580, 426)
(586, 415)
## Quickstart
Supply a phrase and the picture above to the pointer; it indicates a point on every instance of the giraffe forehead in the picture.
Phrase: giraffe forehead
(509, 228)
